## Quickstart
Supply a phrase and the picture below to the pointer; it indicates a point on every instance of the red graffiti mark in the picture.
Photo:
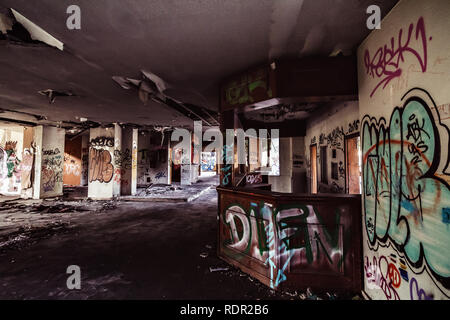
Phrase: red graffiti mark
(406, 143)
(386, 62)
(394, 275)
(377, 280)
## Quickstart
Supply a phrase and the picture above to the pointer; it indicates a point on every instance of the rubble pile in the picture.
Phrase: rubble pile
(159, 189)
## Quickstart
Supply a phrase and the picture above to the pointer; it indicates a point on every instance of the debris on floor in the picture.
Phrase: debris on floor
(31, 235)
(211, 269)
(159, 189)
(204, 254)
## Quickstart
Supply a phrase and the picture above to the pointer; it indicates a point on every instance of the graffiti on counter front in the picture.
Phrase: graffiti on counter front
(386, 64)
(294, 235)
(100, 166)
(404, 192)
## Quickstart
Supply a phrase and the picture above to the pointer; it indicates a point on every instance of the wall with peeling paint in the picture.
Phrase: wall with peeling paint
(153, 159)
(404, 79)
(328, 128)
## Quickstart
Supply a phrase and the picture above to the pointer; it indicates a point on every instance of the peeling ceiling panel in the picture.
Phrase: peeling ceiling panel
(36, 32)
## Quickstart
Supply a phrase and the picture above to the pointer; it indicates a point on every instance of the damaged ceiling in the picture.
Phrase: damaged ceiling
(189, 44)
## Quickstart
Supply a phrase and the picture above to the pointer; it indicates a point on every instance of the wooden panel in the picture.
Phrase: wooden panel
(292, 241)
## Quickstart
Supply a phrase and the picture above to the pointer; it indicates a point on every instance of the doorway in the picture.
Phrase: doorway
(313, 155)
(353, 164)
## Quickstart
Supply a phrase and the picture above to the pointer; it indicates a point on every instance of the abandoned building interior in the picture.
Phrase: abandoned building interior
(345, 194)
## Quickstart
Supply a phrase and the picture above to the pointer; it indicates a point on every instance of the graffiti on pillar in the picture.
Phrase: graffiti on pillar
(226, 169)
(289, 238)
(52, 169)
(106, 142)
(208, 162)
(100, 166)
(12, 161)
(26, 167)
(84, 165)
(122, 158)
(406, 194)
(386, 64)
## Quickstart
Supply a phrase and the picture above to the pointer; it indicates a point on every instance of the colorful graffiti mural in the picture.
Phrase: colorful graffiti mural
(406, 194)
(208, 162)
(287, 239)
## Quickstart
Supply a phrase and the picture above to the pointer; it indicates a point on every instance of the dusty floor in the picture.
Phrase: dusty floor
(126, 250)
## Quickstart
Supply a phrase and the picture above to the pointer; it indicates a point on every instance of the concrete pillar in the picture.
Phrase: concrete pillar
(85, 160)
(129, 161)
(186, 167)
(134, 156)
(101, 163)
(117, 160)
(49, 162)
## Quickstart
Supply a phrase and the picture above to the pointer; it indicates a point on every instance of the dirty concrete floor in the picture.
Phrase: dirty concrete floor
(134, 251)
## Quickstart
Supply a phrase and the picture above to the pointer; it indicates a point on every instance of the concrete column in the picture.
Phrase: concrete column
(129, 161)
(85, 160)
(117, 160)
(186, 167)
(101, 163)
(134, 156)
(49, 162)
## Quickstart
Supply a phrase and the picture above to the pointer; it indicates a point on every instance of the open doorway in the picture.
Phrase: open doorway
(313, 155)
(353, 163)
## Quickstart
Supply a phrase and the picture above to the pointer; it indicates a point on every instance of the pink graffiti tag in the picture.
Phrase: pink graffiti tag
(378, 279)
(386, 62)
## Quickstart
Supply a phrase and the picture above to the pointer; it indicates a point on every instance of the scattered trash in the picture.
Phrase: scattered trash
(204, 254)
(211, 269)
(310, 295)
(302, 296)
(208, 246)
(331, 296)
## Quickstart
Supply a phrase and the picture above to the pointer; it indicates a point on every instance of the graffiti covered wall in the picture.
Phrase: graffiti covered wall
(404, 76)
(11, 150)
(329, 131)
(153, 157)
